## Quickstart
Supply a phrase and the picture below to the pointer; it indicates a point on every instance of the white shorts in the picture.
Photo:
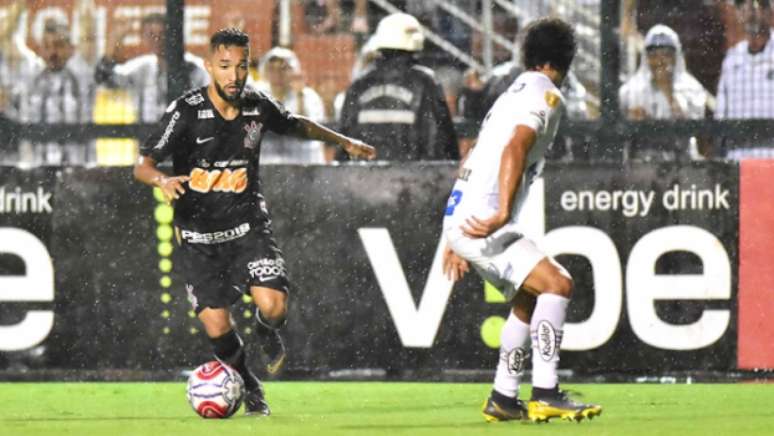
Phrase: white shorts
(505, 258)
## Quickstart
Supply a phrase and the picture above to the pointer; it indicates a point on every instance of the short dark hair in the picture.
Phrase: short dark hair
(762, 3)
(229, 36)
(548, 41)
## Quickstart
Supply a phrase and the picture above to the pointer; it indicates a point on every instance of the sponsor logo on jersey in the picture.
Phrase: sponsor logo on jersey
(552, 100)
(194, 99)
(203, 140)
(219, 237)
(168, 131)
(253, 137)
(226, 180)
(251, 112)
(206, 114)
(267, 269)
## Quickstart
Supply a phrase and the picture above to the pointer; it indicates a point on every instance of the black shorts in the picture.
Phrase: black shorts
(217, 275)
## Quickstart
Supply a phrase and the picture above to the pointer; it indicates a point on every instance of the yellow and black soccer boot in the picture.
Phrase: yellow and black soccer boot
(501, 408)
(554, 403)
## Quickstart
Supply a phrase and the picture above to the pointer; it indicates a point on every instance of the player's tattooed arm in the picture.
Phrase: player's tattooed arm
(512, 163)
(172, 187)
(309, 129)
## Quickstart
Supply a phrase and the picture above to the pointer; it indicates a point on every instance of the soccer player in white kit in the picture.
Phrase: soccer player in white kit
(482, 229)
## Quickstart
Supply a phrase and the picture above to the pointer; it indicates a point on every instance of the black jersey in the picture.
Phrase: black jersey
(223, 198)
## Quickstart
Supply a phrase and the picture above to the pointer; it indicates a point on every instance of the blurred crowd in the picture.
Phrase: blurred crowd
(406, 92)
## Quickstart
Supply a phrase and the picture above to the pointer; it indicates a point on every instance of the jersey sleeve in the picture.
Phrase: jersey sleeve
(167, 135)
(535, 108)
(278, 119)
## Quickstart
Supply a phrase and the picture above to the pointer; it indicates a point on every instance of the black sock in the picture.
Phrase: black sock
(229, 350)
(504, 400)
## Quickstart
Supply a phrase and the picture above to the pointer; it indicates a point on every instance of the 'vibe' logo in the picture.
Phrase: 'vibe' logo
(417, 326)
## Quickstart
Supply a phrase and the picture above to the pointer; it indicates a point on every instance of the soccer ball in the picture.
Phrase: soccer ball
(215, 390)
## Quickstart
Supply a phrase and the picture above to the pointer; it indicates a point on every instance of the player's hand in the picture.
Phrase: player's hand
(171, 187)
(454, 267)
(359, 149)
(481, 228)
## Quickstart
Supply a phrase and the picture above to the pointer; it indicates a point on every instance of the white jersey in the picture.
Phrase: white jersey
(532, 101)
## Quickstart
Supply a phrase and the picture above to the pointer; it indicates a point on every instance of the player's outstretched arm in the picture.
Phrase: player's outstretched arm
(172, 187)
(355, 148)
(512, 163)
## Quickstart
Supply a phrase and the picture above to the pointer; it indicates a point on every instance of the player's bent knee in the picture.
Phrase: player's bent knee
(562, 285)
(273, 309)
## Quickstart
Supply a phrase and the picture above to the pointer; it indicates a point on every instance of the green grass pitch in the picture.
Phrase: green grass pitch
(373, 408)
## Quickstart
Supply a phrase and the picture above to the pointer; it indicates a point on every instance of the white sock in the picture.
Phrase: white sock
(546, 330)
(514, 336)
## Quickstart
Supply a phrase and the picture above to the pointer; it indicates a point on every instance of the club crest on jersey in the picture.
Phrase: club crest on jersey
(552, 100)
(253, 136)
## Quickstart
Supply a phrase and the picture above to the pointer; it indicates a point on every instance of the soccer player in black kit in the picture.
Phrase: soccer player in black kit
(213, 135)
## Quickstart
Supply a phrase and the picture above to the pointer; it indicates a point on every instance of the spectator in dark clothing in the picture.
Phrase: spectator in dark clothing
(396, 102)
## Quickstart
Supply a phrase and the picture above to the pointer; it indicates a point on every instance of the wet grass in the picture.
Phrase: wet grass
(315, 409)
